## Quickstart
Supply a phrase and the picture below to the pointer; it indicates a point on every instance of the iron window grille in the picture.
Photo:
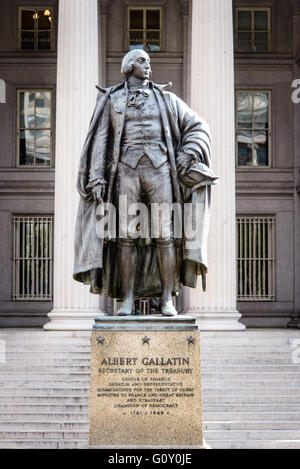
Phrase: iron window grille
(33, 258)
(255, 259)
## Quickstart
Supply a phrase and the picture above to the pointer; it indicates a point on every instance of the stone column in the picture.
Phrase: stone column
(295, 90)
(212, 96)
(77, 75)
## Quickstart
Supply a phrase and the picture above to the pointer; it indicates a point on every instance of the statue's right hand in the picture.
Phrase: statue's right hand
(99, 193)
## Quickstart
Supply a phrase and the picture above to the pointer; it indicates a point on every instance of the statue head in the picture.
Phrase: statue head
(137, 63)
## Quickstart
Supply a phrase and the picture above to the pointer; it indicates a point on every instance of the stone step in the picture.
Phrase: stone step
(47, 381)
(43, 444)
(21, 415)
(215, 444)
(249, 341)
(41, 435)
(46, 425)
(254, 444)
(217, 435)
(55, 408)
(44, 369)
(252, 425)
(252, 399)
(36, 399)
(249, 355)
(266, 334)
(242, 362)
(41, 376)
(35, 332)
(237, 391)
(250, 383)
(251, 415)
(46, 344)
(253, 435)
(246, 349)
(43, 391)
(252, 333)
(263, 376)
(245, 407)
(258, 369)
(12, 360)
(45, 348)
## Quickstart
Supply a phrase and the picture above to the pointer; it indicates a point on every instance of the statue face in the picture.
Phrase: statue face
(141, 67)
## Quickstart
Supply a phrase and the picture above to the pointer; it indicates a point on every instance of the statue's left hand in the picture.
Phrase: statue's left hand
(183, 162)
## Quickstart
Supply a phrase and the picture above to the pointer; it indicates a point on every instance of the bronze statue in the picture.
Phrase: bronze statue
(148, 145)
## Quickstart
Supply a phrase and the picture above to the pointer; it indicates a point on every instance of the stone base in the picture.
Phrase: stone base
(294, 322)
(145, 323)
(145, 389)
(71, 321)
(214, 321)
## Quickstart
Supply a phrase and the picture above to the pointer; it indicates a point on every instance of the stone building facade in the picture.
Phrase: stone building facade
(220, 57)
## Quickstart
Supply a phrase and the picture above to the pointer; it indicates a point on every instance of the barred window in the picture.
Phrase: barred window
(255, 258)
(35, 30)
(144, 28)
(253, 128)
(33, 258)
(34, 132)
(253, 29)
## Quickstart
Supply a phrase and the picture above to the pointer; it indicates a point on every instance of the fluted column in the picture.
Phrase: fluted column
(77, 74)
(212, 96)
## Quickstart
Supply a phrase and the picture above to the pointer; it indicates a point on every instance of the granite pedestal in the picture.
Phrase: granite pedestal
(145, 388)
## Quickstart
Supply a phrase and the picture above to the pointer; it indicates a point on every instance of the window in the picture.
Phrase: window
(33, 258)
(35, 32)
(144, 28)
(253, 130)
(34, 128)
(255, 258)
(253, 30)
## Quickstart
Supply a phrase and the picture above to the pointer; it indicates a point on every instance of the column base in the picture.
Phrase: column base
(216, 321)
(71, 320)
(295, 321)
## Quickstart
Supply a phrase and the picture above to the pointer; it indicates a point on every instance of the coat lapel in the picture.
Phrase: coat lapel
(118, 100)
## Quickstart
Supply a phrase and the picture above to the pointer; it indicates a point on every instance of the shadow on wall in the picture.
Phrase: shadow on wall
(2, 92)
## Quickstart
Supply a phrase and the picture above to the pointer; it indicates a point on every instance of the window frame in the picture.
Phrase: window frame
(51, 30)
(18, 129)
(144, 30)
(269, 130)
(253, 30)
(271, 220)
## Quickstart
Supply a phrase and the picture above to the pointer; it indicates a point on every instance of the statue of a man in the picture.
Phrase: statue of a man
(148, 145)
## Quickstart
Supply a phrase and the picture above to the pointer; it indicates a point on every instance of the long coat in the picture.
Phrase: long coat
(96, 260)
